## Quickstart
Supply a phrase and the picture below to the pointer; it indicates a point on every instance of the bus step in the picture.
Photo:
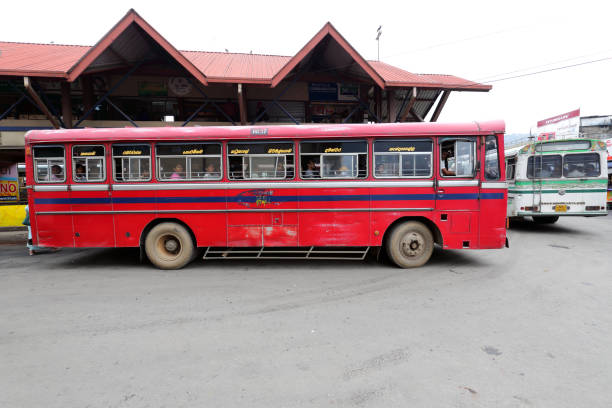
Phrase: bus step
(344, 253)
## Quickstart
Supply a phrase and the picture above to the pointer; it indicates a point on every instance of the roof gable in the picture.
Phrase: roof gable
(327, 30)
(102, 52)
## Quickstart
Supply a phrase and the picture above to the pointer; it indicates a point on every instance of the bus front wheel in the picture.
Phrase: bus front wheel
(550, 219)
(410, 244)
(169, 246)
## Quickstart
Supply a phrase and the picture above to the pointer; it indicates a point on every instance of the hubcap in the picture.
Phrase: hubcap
(169, 246)
(412, 244)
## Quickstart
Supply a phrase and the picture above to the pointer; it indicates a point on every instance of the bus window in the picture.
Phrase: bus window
(491, 170)
(193, 161)
(457, 158)
(132, 162)
(510, 168)
(544, 166)
(334, 159)
(581, 165)
(259, 161)
(402, 158)
(88, 164)
(49, 164)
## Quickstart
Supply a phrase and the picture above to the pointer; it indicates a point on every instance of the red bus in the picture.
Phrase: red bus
(324, 191)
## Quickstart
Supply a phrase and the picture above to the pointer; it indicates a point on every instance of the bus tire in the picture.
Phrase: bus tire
(410, 244)
(547, 219)
(169, 246)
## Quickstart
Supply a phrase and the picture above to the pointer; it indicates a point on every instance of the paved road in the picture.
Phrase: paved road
(519, 327)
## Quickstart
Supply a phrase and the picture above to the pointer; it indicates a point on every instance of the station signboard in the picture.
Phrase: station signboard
(9, 184)
(563, 126)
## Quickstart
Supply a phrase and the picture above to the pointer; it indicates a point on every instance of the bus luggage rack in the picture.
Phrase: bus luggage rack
(344, 253)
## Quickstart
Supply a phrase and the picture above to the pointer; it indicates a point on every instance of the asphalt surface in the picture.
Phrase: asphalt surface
(529, 326)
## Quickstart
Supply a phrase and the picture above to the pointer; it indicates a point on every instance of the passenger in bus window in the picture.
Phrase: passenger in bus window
(79, 172)
(211, 171)
(280, 169)
(574, 171)
(448, 169)
(178, 172)
(311, 169)
(56, 173)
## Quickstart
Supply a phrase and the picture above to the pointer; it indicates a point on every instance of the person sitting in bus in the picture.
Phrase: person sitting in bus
(178, 172)
(280, 169)
(310, 170)
(210, 171)
(448, 169)
(79, 173)
(574, 171)
(56, 173)
(591, 170)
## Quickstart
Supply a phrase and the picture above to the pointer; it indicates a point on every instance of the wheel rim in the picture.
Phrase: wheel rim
(169, 246)
(412, 245)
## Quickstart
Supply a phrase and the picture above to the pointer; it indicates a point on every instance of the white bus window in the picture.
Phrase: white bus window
(193, 161)
(88, 163)
(49, 164)
(402, 158)
(261, 161)
(458, 158)
(544, 166)
(132, 162)
(491, 170)
(581, 165)
(334, 159)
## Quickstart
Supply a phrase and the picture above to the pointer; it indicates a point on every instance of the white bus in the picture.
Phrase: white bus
(557, 178)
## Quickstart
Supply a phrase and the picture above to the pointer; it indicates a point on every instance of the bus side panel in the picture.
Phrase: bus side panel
(52, 230)
(340, 217)
(192, 207)
(261, 217)
(92, 230)
(133, 210)
(493, 209)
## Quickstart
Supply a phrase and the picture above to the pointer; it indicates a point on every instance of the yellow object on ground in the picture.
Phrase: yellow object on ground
(12, 215)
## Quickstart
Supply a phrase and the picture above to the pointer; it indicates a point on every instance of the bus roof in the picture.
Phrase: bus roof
(264, 132)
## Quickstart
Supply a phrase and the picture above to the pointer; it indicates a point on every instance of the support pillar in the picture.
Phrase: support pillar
(242, 105)
(378, 101)
(88, 94)
(66, 105)
(389, 99)
(408, 108)
(39, 103)
(440, 106)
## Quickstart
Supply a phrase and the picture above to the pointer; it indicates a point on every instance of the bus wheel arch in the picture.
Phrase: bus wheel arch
(168, 243)
(405, 232)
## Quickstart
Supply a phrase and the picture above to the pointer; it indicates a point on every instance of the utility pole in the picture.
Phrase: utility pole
(378, 34)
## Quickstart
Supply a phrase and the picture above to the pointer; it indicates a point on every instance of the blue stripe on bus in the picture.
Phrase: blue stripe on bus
(277, 199)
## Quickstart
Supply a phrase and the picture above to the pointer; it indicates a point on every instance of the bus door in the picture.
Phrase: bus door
(90, 197)
(457, 191)
(493, 194)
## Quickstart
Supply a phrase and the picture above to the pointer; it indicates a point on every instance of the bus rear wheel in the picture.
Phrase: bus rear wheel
(410, 244)
(550, 219)
(169, 246)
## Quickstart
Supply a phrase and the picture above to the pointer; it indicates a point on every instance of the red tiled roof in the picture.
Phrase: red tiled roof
(69, 61)
(22, 59)
(232, 67)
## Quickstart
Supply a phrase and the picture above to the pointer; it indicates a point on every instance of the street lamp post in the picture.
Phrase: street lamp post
(378, 34)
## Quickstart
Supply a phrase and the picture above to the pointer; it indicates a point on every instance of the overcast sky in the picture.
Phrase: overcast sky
(477, 40)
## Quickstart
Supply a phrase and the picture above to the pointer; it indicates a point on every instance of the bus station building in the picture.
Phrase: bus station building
(134, 77)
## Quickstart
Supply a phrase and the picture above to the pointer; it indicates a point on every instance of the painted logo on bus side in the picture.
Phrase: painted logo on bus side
(256, 198)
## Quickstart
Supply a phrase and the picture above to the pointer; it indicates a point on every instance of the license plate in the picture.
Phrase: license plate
(560, 208)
